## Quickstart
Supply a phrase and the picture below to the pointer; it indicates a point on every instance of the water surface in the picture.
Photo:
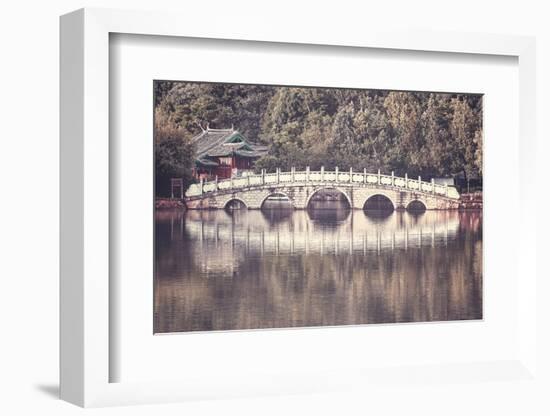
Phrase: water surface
(218, 270)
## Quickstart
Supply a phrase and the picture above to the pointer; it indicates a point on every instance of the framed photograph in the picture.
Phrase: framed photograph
(282, 213)
(327, 206)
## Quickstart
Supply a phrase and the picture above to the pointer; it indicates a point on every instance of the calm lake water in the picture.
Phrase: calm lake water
(218, 270)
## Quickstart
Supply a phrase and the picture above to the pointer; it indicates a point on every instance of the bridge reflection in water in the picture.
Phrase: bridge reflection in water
(218, 270)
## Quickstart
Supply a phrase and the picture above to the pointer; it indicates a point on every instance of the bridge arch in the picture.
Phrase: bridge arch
(278, 192)
(325, 188)
(379, 202)
(417, 206)
(227, 203)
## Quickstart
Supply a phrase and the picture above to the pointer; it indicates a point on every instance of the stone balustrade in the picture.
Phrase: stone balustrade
(348, 178)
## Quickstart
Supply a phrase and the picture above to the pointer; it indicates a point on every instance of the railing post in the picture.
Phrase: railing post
(307, 173)
(202, 185)
(278, 174)
(351, 175)
(216, 183)
(378, 176)
(322, 173)
(433, 186)
(406, 181)
(336, 174)
(419, 183)
(392, 178)
(446, 189)
(292, 171)
(248, 180)
(263, 176)
(231, 182)
(365, 175)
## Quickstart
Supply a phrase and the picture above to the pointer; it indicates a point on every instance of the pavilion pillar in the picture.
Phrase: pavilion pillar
(216, 183)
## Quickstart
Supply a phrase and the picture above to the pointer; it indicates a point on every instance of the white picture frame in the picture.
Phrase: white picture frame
(85, 264)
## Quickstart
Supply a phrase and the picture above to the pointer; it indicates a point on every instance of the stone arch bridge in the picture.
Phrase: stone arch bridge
(300, 186)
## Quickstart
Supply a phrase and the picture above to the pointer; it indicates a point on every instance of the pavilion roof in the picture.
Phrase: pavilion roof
(224, 142)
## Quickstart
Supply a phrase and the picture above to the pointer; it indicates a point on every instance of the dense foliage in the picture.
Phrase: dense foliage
(174, 158)
(428, 134)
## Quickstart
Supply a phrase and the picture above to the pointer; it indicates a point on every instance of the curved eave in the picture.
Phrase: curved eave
(206, 163)
(249, 154)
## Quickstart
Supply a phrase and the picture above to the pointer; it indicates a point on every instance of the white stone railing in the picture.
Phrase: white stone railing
(323, 177)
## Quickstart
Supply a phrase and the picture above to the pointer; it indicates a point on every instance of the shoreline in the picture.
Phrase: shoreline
(471, 201)
(169, 203)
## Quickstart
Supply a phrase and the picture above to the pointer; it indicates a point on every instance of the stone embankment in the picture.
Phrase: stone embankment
(167, 203)
(472, 200)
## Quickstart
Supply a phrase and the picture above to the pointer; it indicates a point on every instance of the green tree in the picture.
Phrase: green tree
(479, 152)
(268, 162)
(191, 106)
(438, 151)
(316, 139)
(463, 128)
(285, 116)
(160, 90)
(174, 158)
(404, 115)
(374, 135)
(346, 145)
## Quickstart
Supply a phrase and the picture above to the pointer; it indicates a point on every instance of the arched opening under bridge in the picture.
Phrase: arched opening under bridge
(328, 205)
(416, 207)
(379, 204)
(235, 204)
(328, 199)
(277, 201)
